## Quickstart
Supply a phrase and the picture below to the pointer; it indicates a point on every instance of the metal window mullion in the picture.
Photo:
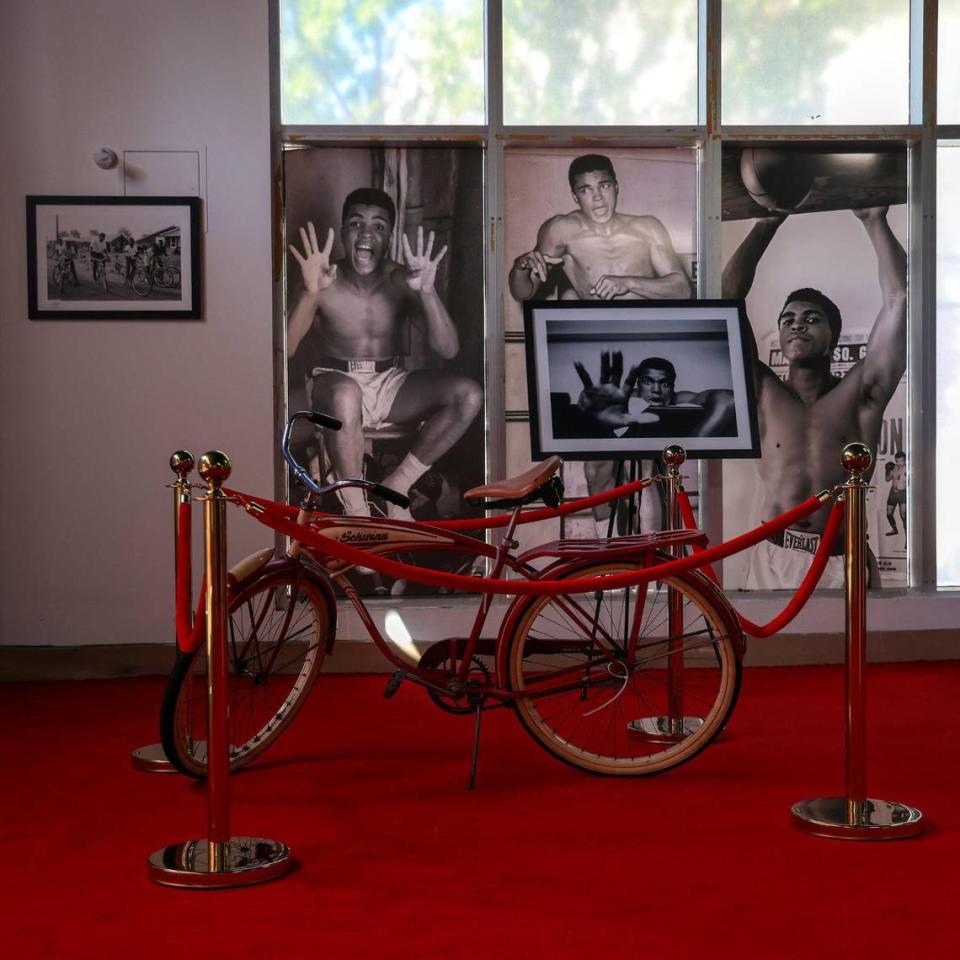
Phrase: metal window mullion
(709, 212)
(759, 132)
(608, 135)
(280, 474)
(495, 350)
(922, 335)
(348, 134)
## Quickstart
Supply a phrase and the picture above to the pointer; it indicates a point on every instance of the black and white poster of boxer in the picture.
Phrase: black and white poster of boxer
(384, 322)
(815, 241)
(599, 224)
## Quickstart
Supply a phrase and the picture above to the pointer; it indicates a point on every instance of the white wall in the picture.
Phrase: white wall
(91, 410)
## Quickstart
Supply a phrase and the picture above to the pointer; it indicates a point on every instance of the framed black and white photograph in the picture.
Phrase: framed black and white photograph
(113, 258)
(613, 380)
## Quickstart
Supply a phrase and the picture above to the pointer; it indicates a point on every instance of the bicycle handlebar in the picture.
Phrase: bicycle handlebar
(301, 474)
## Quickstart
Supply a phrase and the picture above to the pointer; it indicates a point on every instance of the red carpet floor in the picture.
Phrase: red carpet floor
(396, 859)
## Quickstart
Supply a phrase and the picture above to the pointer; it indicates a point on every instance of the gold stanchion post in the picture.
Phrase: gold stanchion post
(152, 758)
(220, 859)
(856, 816)
(674, 725)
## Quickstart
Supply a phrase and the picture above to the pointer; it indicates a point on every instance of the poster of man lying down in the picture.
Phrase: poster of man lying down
(622, 380)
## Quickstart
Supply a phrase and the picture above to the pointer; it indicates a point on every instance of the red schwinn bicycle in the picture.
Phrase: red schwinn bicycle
(613, 669)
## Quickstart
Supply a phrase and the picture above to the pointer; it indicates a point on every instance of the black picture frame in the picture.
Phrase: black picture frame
(152, 263)
(711, 410)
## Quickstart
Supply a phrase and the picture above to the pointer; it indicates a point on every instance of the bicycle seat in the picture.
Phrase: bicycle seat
(518, 488)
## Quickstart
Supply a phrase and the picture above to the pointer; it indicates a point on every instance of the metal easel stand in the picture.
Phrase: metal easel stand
(856, 816)
(152, 758)
(220, 859)
(675, 725)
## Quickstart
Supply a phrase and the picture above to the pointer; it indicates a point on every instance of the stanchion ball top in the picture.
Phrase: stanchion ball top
(674, 454)
(856, 457)
(181, 462)
(214, 467)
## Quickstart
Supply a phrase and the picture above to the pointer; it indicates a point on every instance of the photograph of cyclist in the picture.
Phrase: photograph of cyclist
(144, 266)
(113, 255)
(64, 265)
(98, 260)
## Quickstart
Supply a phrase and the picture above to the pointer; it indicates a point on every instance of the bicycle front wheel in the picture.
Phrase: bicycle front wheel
(141, 282)
(278, 631)
(610, 682)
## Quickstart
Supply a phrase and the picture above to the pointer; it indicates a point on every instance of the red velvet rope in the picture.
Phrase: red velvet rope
(276, 519)
(480, 523)
(547, 513)
(191, 639)
(807, 585)
(183, 571)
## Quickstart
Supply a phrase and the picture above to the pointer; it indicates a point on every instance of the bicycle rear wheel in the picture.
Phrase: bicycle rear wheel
(587, 700)
(276, 645)
(169, 277)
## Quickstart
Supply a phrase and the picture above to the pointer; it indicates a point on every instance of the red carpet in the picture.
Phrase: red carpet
(398, 860)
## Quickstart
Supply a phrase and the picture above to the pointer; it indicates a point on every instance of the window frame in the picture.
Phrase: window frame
(920, 136)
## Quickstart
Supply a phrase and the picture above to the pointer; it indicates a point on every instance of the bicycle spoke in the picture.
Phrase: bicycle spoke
(599, 667)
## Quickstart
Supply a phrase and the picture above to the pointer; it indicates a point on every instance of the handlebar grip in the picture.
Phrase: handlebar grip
(391, 495)
(324, 420)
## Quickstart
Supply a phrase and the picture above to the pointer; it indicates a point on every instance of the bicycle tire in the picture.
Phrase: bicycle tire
(169, 277)
(612, 719)
(141, 283)
(290, 653)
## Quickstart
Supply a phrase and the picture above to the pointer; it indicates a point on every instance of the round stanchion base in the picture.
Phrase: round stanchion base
(246, 860)
(870, 819)
(663, 729)
(151, 759)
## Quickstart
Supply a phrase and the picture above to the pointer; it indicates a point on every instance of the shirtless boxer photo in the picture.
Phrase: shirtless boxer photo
(806, 419)
(603, 255)
(360, 306)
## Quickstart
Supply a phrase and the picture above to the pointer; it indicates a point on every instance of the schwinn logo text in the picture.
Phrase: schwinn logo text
(351, 537)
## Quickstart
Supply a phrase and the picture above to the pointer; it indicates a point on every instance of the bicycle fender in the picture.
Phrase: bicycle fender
(319, 580)
(240, 572)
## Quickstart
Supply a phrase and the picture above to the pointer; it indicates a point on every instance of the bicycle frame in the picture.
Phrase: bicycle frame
(396, 536)
(386, 537)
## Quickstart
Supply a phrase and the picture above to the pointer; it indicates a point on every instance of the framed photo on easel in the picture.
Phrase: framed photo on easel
(610, 380)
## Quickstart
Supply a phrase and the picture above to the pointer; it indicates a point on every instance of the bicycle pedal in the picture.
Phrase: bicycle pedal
(393, 684)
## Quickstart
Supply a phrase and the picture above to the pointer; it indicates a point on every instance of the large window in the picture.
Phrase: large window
(579, 62)
(382, 61)
(816, 63)
(821, 119)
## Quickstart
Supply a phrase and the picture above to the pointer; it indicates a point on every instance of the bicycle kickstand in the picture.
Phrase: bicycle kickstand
(476, 746)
